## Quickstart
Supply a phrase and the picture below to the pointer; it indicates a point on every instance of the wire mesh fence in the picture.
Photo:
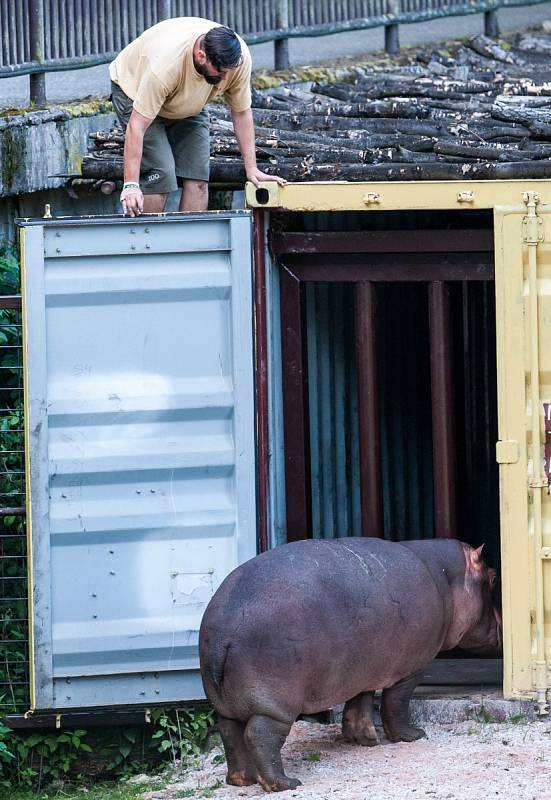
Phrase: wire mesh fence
(14, 647)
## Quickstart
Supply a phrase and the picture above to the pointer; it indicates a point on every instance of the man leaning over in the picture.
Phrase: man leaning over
(161, 83)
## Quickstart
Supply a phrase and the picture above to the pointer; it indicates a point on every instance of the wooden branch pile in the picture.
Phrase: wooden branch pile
(482, 112)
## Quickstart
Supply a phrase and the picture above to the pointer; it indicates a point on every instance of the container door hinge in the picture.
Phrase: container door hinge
(507, 451)
(532, 223)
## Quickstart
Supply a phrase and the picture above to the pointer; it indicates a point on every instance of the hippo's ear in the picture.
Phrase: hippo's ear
(492, 577)
(474, 557)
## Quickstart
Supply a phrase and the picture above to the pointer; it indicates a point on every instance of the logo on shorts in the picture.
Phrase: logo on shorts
(154, 176)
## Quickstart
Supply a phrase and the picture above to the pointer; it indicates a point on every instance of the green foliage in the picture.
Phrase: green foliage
(483, 715)
(312, 757)
(183, 732)
(13, 606)
(34, 760)
(119, 791)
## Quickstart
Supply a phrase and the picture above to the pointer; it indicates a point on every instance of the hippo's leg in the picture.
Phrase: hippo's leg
(241, 771)
(394, 710)
(264, 738)
(357, 720)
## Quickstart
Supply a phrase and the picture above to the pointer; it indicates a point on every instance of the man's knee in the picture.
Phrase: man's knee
(195, 196)
(198, 187)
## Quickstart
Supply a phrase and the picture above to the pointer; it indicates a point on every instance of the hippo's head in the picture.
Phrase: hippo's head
(483, 632)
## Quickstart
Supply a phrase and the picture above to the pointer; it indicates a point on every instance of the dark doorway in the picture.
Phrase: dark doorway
(389, 379)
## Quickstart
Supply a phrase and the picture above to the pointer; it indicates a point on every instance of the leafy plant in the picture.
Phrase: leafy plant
(183, 732)
(35, 759)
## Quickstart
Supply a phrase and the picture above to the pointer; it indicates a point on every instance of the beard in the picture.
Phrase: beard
(214, 80)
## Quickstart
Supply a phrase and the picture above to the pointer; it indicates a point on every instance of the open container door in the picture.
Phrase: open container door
(140, 447)
(523, 322)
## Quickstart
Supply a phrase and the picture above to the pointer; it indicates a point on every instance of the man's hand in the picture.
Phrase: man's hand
(256, 176)
(132, 201)
(244, 133)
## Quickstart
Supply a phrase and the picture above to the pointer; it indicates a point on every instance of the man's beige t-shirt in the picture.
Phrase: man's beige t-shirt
(156, 71)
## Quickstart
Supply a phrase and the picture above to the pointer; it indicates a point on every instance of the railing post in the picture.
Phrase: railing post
(392, 31)
(281, 46)
(392, 39)
(37, 81)
(164, 9)
(491, 26)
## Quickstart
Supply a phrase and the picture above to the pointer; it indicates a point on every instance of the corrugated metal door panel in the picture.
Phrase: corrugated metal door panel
(141, 450)
(523, 326)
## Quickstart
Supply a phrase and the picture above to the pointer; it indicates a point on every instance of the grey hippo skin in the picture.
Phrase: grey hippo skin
(315, 623)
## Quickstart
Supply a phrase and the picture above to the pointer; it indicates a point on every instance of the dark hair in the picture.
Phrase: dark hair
(222, 48)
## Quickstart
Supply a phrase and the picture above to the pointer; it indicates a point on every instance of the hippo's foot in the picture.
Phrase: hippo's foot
(240, 778)
(357, 720)
(264, 737)
(362, 739)
(407, 733)
(241, 771)
(280, 784)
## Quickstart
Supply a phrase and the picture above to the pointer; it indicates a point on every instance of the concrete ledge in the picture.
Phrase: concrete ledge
(453, 704)
(457, 705)
(37, 145)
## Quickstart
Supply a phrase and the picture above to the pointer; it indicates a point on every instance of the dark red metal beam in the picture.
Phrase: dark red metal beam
(443, 430)
(425, 241)
(359, 267)
(295, 410)
(371, 489)
(10, 301)
(261, 378)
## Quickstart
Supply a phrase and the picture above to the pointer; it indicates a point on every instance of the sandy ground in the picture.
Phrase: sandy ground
(466, 761)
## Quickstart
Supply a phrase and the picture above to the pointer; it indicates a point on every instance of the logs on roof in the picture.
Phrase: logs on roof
(483, 112)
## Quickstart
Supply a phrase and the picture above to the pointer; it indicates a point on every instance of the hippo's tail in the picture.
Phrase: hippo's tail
(213, 669)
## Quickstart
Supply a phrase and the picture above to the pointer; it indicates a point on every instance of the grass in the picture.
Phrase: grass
(118, 791)
(312, 757)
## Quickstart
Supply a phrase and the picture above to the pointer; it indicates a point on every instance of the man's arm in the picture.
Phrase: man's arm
(132, 198)
(244, 131)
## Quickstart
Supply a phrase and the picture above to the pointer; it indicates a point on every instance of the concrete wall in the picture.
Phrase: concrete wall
(39, 148)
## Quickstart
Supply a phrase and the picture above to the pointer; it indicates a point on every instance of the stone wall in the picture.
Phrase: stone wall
(37, 147)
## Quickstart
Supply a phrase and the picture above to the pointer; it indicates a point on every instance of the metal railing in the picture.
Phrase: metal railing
(40, 36)
(14, 646)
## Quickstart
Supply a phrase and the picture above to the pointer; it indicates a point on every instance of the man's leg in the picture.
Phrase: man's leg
(195, 196)
(190, 142)
(154, 203)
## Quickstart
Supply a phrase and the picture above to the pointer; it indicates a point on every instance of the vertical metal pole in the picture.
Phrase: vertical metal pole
(392, 31)
(37, 81)
(392, 39)
(295, 410)
(371, 490)
(281, 46)
(491, 25)
(443, 429)
(261, 382)
(164, 9)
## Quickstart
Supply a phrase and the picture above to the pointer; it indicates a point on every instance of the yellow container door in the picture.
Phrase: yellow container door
(523, 305)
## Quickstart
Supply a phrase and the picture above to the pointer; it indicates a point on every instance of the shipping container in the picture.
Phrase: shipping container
(342, 359)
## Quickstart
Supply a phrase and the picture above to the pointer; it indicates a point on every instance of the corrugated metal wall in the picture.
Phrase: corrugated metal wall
(405, 411)
(333, 411)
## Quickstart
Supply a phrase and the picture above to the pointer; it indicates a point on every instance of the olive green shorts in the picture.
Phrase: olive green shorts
(171, 147)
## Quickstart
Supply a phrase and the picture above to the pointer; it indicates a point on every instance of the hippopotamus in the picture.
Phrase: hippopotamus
(315, 623)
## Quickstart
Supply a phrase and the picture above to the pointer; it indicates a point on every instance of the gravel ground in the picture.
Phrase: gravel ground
(465, 761)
